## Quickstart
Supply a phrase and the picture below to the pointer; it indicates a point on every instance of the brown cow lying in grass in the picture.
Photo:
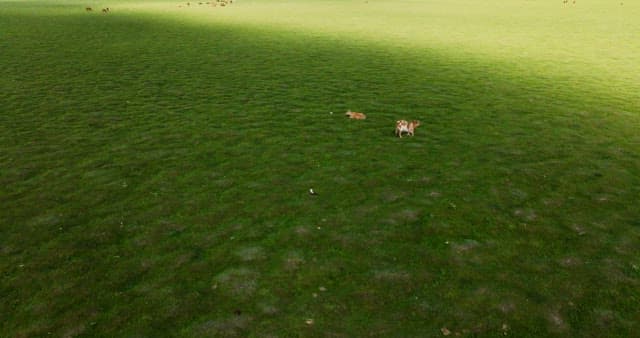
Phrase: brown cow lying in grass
(355, 115)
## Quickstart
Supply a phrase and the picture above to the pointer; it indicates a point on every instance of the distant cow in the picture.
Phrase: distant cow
(105, 10)
(404, 126)
(88, 9)
(356, 115)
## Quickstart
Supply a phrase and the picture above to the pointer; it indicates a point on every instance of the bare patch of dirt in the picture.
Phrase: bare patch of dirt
(465, 246)
(268, 309)
(182, 259)
(579, 229)
(302, 231)
(569, 262)
(7, 250)
(604, 317)
(340, 180)
(223, 182)
(393, 196)
(518, 194)
(293, 261)
(392, 275)
(552, 202)
(252, 253)
(232, 326)
(507, 307)
(526, 214)
(404, 216)
(556, 321)
(239, 282)
(75, 331)
(48, 219)
(435, 194)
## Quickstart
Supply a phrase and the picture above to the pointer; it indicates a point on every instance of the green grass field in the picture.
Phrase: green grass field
(155, 164)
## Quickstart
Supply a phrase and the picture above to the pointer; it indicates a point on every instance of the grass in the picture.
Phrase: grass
(155, 163)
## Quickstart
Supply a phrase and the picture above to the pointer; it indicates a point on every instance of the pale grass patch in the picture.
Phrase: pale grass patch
(302, 231)
(75, 330)
(556, 321)
(182, 259)
(6, 249)
(252, 253)
(238, 282)
(627, 245)
(393, 196)
(404, 216)
(570, 261)
(268, 309)
(527, 214)
(47, 219)
(293, 261)
(553, 202)
(392, 275)
(223, 182)
(232, 326)
(507, 306)
(519, 195)
(604, 317)
(464, 246)
(579, 229)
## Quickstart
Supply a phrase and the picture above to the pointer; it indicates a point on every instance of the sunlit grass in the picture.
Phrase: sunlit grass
(574, 38)
(583, 49)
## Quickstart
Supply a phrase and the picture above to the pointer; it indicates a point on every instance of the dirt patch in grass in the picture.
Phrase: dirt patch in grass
(464, 246)
(268, 309)
(47, 219)
(579, 229)
(75, 331)
(252, 253)
(404, 216)
(392, 275)
(237, 282)
(569, 262)
(232, 326)
(556, 321)
(526, 214)
(393, 196)
(507, 306)
(293, 261)
(302, 231)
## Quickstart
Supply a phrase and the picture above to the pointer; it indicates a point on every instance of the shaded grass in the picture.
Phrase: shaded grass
(155, 178)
